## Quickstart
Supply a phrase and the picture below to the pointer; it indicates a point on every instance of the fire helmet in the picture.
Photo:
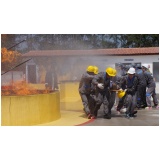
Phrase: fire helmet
(120, 94)
(131, 71)
(90, 69)
(111, 71)
(145, 66)
(114, 72)
(95, 69)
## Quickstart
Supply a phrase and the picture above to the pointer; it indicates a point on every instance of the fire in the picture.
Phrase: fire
(9, 56)
(21, 88)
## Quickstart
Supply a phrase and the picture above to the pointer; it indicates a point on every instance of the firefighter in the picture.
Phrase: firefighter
(102, 83)
(141, 88)
(85, 89)
(151, 88)
(130, 100)
(115, 86)
(93, 96)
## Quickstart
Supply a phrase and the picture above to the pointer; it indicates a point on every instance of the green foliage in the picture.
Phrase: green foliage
(79, 41)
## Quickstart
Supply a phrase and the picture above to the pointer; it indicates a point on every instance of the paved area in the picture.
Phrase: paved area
(76, 117)
(144, 118)
(69, 118)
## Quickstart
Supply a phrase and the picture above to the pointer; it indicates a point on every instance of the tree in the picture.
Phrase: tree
(79, 41)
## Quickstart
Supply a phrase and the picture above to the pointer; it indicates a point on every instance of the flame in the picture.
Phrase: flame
(21, 88)
(9, 56)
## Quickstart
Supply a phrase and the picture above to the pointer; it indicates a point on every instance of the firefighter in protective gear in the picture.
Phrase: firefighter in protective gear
(151, 88)
(85, 89)
(130, 98)
(101, 81)
(111, 72)
(114, 86)
(141, 87)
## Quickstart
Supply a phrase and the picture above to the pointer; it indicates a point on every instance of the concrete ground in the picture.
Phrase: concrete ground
(78, 118)
(144, 118)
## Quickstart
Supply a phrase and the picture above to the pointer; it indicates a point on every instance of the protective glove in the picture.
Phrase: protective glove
(125, 90)
(100, 85)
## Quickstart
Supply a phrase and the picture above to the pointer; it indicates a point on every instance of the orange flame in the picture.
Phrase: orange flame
(9, 56)
(21, 88)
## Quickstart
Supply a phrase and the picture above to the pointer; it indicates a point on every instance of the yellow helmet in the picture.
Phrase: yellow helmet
(114, 72)
(95, 69)
(90, 69)
(121, 94)
(111, 71)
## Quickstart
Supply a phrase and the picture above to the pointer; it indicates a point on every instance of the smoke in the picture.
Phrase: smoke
(69, 68)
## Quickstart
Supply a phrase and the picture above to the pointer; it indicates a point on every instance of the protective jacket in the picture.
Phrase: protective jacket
(131, 84)
(141, 78)
(149, 79)
(85, 83)
(101, 78)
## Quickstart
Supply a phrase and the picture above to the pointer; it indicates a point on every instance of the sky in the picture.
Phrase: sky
(79, 17)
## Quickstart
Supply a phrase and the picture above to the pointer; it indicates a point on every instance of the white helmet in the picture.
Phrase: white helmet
(145, 66)
(131, 71)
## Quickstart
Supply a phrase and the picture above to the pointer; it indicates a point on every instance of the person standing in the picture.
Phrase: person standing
(151, 88)
(114, 87)
(141, 88)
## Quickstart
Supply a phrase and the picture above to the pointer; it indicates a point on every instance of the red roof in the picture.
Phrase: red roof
(113, 51)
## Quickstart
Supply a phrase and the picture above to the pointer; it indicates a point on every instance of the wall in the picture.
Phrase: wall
(30, 110)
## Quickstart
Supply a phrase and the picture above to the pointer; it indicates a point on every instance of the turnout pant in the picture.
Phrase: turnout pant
(86, 100)
(141, 96)
(111, 100)
(151, 92)
(101, 98)
(130, 102)
(120, 103)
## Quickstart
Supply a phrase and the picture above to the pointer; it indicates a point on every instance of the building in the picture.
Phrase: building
(72, 59)
(71, 64)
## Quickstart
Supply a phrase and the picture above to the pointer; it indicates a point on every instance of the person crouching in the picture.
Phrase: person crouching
(130, 99)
